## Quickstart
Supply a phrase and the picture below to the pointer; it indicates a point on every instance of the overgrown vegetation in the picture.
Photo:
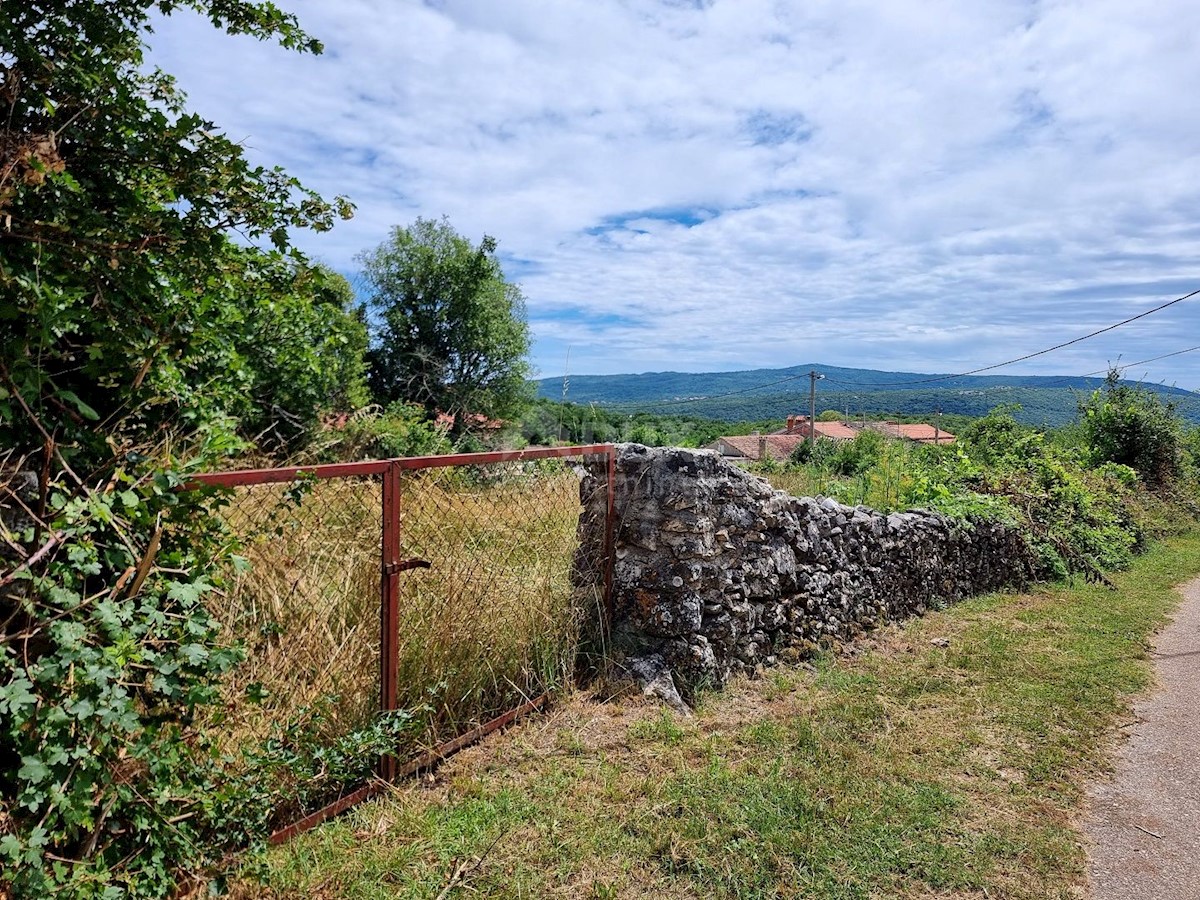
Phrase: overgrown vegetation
(452, 336)
(138, 343)
(1086, 499)
(948, 759)
(548, 422)
(493, 621)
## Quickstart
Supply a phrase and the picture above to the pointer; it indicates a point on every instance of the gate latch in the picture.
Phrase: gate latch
(405, 564)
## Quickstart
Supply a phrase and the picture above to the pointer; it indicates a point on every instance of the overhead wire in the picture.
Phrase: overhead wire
(1018, 359)
(863, 385)
(1140, 362)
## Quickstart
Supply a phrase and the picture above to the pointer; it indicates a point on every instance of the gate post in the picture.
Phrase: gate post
(389, 603)
(610, 522)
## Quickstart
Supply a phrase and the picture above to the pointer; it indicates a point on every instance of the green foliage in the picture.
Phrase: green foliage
(304, 347)
(549, 421)
(122, 295)
(102, 676)
(400, 430)
(1128, 424)
(453, 336)
(299, 769)
(1078, 516)
(134, 334)
(855, 457)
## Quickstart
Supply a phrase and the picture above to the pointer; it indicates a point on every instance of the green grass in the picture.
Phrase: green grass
(948, 758)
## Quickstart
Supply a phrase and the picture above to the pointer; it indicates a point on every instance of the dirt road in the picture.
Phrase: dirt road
(1144, 826)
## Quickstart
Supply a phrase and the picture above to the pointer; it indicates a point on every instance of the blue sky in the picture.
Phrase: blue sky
(699, 186)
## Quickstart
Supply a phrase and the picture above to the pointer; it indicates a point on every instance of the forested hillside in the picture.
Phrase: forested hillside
(775, 393)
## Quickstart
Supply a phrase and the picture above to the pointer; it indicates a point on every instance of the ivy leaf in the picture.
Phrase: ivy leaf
(16, 696)
(32, 770)
(194, 653)
(10, 848)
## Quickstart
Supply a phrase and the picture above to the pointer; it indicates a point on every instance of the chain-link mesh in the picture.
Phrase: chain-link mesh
(496, 617)
(303, 600)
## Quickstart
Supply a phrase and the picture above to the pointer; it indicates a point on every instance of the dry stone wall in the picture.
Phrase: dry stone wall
(718, 573)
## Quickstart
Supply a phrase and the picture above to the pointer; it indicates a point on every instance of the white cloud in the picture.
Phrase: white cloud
(914, 185)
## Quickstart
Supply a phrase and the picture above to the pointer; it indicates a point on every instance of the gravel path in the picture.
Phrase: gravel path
(1143, 827)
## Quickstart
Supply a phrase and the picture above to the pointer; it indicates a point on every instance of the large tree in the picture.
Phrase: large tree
(130, 343)
(451, 333)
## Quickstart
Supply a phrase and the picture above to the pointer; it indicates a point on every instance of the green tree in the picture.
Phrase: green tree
(1128, 424)
(124, 358)
(304, 351)
(451, 335)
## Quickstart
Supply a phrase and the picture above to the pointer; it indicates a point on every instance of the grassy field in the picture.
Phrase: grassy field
(946, 757)
(492, 621)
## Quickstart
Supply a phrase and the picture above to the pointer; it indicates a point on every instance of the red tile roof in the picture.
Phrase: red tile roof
(838, 431)
(925, 434)
(475, 421)
(920, 432)
(778, 446)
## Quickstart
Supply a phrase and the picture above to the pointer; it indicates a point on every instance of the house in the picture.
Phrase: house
(474, 422)
(918, 433)
(779, 445)
(834, 431)
(754, 447)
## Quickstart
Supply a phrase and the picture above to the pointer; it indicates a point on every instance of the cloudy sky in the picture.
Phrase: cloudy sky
(918, 185)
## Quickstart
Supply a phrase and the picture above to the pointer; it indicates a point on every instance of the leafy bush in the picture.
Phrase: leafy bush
(129, 355)
(1079, 514)
(110, 651)
(1128, 424)
(400, 430)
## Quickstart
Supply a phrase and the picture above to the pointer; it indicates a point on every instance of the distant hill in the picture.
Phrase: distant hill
(776, 393)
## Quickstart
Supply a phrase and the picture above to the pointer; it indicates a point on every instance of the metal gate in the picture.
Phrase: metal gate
(408, 605)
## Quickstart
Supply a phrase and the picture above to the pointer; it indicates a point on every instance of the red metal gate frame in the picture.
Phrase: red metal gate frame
(391, 566)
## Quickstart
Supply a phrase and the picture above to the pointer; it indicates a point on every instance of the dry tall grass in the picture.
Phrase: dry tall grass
(305, 605)
(493, 621)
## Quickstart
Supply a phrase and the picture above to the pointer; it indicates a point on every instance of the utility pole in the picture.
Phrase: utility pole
(813, 376)
(566, 385)
(937, 426)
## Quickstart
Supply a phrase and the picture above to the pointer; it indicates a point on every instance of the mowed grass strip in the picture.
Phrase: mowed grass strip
(945, 757)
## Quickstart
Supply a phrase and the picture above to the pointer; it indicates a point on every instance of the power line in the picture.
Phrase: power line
(1140, 362)
(1018, 359)
(933, 380)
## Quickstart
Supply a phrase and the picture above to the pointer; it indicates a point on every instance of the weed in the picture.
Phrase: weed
(492, 621)
(946, 761)
(661, 728)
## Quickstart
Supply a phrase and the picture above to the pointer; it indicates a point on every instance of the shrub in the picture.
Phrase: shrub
(127, 354)
(400, 430)
(1078, 514)
(1128, 424)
